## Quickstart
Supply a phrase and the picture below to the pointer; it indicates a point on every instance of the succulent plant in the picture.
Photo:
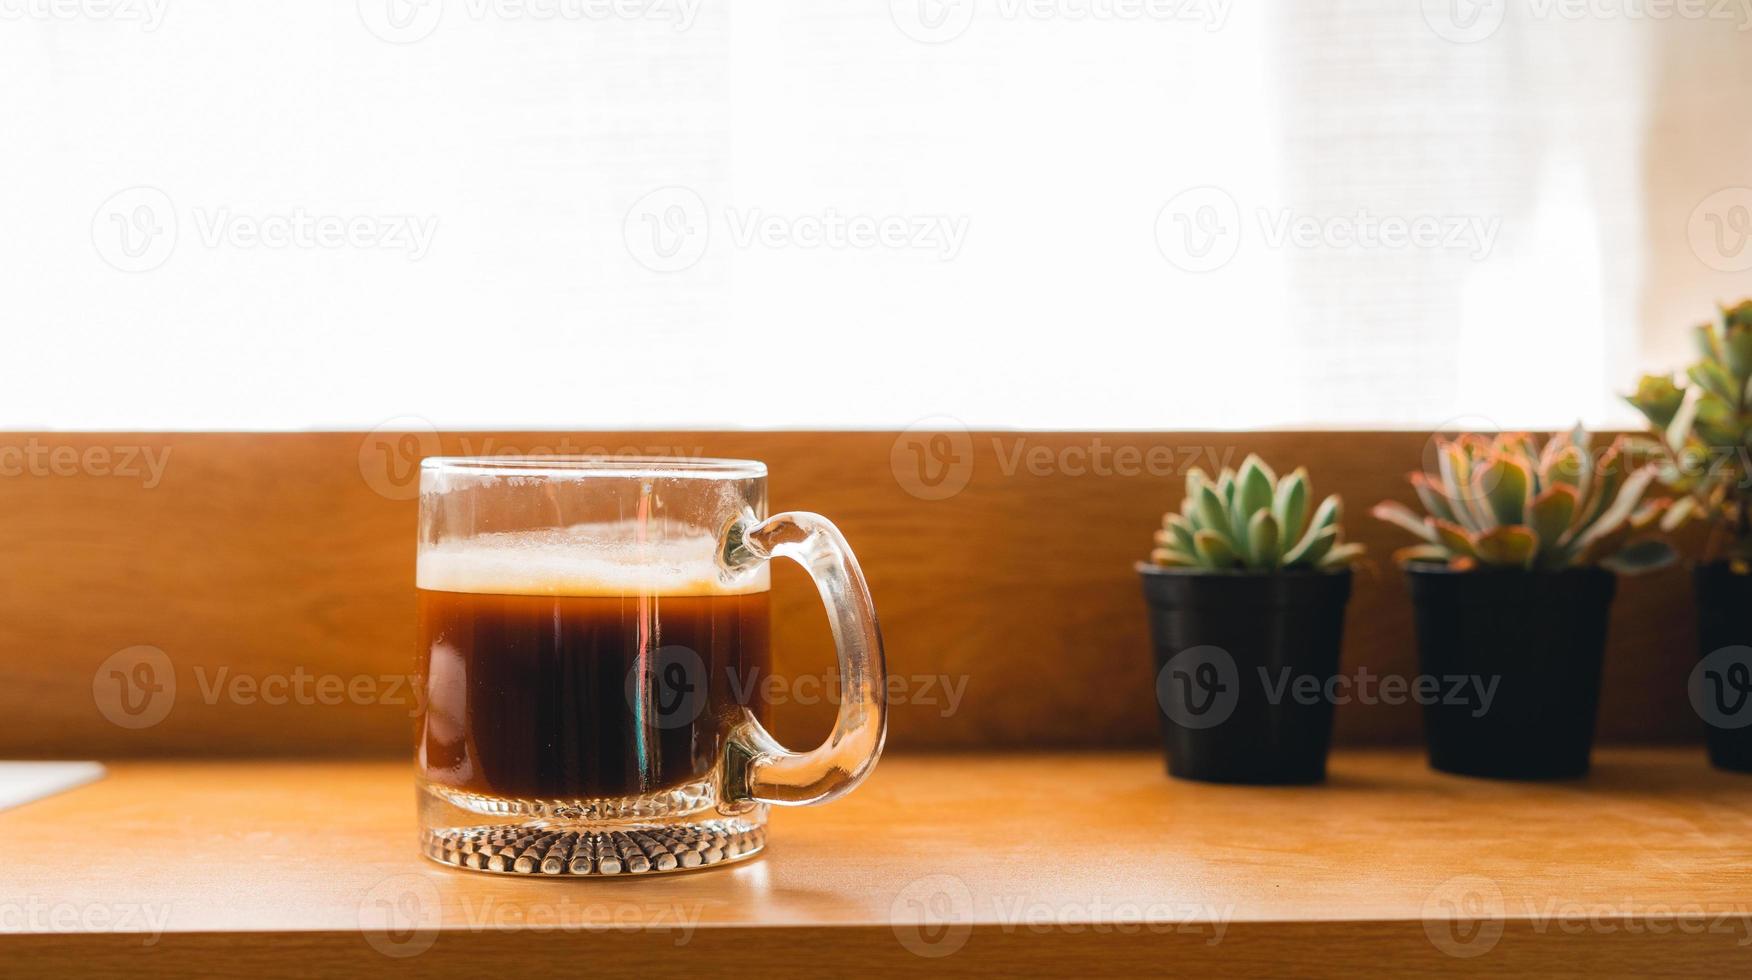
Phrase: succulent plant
(1507, 502)
(1249, 520)
(1703, 433)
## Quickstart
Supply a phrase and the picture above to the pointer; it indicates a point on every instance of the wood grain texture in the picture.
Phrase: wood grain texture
(1068, 864)
(1269, 950)
(1010, 607)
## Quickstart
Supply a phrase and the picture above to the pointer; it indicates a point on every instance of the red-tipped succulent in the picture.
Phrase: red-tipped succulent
(1507, 502)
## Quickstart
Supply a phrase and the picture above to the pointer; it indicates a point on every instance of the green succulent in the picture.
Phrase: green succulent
(1249, 520)
(1702, 431)
(1507, 502)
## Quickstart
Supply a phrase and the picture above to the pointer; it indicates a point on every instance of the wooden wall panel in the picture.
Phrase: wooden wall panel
(286, 560)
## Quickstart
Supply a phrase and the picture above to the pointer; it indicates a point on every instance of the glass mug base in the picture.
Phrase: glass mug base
(675, 830)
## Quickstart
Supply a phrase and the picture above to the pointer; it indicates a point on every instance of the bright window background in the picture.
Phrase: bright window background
(1078, 178)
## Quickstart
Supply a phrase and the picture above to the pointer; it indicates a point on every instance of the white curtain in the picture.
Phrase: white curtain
(1075, 213)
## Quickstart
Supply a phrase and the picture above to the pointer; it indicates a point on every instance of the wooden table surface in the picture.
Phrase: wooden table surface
(951, 865)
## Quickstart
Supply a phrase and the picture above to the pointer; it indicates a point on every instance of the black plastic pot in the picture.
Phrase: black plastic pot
(1532, 645)
(1724, 644)
(1237, 655)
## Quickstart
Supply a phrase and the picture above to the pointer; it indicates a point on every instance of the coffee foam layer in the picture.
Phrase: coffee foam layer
(584, 560)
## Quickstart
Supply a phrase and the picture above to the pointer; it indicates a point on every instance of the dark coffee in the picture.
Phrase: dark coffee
(584, 697)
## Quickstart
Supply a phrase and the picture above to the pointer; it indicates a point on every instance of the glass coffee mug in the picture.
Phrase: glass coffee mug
(593, 638)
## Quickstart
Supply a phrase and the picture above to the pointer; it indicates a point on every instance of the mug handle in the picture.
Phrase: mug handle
(758, 768)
